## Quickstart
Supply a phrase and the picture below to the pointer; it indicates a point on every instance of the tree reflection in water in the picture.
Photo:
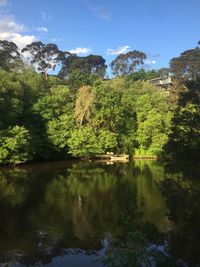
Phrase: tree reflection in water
(61, 209)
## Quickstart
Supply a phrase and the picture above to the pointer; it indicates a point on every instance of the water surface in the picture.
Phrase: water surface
(66, 213)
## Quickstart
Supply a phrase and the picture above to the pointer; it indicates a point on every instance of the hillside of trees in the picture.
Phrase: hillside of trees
(79, 113)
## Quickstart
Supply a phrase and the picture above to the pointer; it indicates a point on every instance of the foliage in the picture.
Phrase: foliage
(144, 75)
(45, 56)
(187, 65)
(84, 115)
(125, 64)
(11, 99)
(9, 54)
(154, 122)
(77, 79)
(83, 142)
(14, 145)
(57, 102)
(84, 103)
(92, 64)
(185, 138)
(107, 140)
(59, 131)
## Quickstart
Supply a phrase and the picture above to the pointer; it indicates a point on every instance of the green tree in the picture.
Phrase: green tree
(115, 112)
(45, 56)
(154, 119)
(56, 102)
(185, 137)
(187, 65)
(83, 142)
(84, 104)
(9, 54)
(15, 145)
(92, 64)
(144, 75)
(11, 99)
(76, 79)
(107, 141)
(59, 130)
(54, 113)
(125, 64)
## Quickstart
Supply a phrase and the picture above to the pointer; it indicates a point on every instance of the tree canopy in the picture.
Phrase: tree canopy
(92, 64)
(125, 64)
(187, 65)
(80, 114)
(45, 56)
(9, 53)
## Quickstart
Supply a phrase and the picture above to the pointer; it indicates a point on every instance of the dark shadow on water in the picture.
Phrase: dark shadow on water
(68, 212)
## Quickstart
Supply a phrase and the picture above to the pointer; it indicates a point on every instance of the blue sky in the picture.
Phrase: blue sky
(160, 28)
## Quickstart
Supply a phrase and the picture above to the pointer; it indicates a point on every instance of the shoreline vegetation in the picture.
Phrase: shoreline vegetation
(81, 113)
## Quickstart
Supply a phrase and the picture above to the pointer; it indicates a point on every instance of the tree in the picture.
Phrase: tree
(59, 131)
(144, 75)
(54, 112)
(83, 142)
(154, 120)
(92, 64)
(108, 110)
(125, 64)
(187, 65)
(9, 53)
(85, 98)
(55, 103)
(11, 99)
(44, 56)
(107, 140)
(77, 79)
(185, 138)
(15, 145)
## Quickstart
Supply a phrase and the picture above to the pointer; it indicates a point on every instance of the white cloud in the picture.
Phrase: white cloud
(22, 40)
(80, 50)
(13, 31)
(46, 16)
(119, 50)
(3, 2)
(42, 29)
(9, 25)
(98, 11)
(149, 61)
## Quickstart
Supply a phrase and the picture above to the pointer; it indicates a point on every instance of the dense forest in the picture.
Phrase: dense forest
(81, 113)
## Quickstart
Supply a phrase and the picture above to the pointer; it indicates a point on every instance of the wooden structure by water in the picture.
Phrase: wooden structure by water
(113, 157)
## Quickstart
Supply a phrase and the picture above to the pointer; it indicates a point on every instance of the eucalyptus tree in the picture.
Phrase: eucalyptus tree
(187, 65)
(44, 56)
(126, 64)
(92, 64)
(9, 54)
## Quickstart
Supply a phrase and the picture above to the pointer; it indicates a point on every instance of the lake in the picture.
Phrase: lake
(69, 213)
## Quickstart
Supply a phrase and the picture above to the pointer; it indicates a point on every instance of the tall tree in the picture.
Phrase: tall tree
(187, 65)
(125, 64)
(45, 56)
(9, 53)
(154, 119)
(92, 64)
